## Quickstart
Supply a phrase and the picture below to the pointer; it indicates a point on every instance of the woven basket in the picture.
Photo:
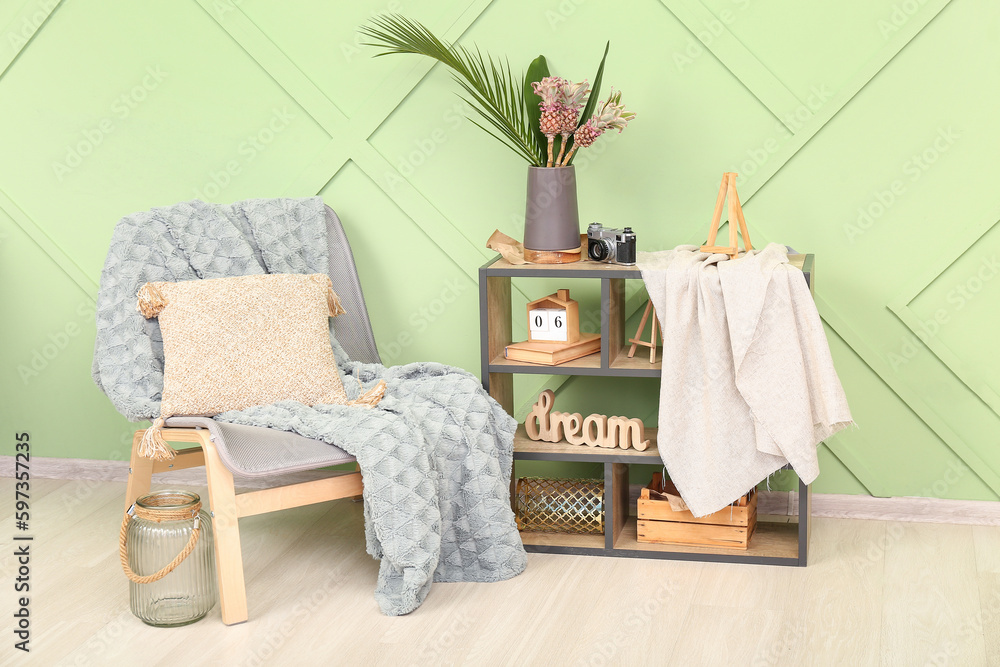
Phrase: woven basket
(560, 505)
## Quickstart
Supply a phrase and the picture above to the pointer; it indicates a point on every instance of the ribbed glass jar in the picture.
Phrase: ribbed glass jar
(187, 593)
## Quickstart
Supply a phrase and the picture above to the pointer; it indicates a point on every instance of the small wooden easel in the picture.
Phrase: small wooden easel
(735, 218)
(637, 340)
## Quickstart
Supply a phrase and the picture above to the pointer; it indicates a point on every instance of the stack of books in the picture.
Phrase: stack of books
(553, 353)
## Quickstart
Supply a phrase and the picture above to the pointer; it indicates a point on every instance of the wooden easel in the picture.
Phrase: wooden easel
(637, 340)
(735, 218)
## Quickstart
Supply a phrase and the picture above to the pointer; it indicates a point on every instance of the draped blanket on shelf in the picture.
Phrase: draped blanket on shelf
(748, 383)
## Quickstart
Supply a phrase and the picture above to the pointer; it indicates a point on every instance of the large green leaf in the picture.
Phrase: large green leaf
(537, 70)
(593, 99)
(493, 91)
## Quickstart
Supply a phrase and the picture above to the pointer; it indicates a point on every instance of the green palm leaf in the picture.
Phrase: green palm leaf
(490, 86)
(595, 94)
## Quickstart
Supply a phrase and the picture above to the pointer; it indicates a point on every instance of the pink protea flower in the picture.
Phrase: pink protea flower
(550, 123)
(573, 97)
(548, 89)
(610, 115)
(587, 134)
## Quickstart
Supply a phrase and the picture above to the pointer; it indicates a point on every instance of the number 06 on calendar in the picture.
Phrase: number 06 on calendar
(555, 318)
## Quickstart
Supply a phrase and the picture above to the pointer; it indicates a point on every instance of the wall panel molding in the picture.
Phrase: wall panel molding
(350, 142)
(19, 33)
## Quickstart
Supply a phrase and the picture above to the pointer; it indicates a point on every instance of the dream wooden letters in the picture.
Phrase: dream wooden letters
(595, 431)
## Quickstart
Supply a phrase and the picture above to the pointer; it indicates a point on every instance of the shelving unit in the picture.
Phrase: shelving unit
(774, 542)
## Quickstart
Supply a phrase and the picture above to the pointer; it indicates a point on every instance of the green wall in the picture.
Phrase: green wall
(864, 131)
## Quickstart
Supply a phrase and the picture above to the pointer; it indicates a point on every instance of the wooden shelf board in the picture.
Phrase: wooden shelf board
(770, 540)
(499, 364)
(588, 365)
(584, 269)
(639, 362)
(562, 540)
(527, 449)
(773, 543)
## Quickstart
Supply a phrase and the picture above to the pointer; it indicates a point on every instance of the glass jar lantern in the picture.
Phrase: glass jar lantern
(167, 552)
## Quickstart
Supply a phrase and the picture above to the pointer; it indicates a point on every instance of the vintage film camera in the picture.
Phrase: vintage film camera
(612, 246)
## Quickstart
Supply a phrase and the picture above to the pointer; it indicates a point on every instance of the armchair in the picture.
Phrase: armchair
(232, 451)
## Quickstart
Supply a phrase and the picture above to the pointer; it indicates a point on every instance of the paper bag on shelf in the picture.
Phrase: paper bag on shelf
(509, 249)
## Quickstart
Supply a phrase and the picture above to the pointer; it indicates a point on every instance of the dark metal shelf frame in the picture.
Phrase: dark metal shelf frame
(495, 332)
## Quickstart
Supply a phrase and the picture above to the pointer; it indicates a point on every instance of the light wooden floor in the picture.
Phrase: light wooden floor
(875, 593)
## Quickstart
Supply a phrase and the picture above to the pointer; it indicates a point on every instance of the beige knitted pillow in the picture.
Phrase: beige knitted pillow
(233, 343)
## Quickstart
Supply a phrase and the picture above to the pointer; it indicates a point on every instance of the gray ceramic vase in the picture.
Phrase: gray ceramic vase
(551, 217)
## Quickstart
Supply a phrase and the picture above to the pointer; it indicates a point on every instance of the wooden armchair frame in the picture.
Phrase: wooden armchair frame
(227, 507)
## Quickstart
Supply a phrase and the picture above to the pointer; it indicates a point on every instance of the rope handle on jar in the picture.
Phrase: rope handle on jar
(161, 515)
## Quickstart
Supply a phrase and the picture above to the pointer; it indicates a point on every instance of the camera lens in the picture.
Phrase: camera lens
(597, 250)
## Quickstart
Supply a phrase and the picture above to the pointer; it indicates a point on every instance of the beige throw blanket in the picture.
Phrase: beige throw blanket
(748, 384)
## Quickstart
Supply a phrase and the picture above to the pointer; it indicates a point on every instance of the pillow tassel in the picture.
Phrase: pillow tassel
(153, 446)
(333, 302)
(151, 301)
(370, 398)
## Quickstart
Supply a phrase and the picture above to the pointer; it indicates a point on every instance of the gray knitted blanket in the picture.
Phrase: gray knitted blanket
(435, 454)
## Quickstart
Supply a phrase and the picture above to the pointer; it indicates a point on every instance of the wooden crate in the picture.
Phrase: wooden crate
(657, 523)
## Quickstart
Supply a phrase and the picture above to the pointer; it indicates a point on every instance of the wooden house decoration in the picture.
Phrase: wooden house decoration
(554, 318)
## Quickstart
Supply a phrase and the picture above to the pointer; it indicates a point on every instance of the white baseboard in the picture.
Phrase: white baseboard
(842, 506)
(117, 471)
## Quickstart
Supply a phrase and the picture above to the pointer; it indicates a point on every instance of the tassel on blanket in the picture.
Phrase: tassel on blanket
(153, 446)
(151, 301)
(370, 398)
